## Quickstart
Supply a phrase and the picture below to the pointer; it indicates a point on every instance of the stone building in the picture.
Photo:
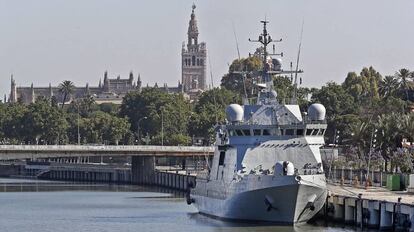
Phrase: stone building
(108, 91)
(193, 61)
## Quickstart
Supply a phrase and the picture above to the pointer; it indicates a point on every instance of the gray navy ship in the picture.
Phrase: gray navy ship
(267, 164)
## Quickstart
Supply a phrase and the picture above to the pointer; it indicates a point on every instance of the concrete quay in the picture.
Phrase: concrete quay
(375, 207)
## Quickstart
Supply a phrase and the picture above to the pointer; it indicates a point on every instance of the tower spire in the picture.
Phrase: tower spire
(192, 29)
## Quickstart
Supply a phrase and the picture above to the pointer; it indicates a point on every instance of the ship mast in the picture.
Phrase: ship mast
(265, 39)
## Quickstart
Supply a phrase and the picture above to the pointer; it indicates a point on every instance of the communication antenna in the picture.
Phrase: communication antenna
(265, 39)
(212, 85)
(294, 99)
(238, 54)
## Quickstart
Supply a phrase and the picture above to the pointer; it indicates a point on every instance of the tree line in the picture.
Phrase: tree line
(365, 107)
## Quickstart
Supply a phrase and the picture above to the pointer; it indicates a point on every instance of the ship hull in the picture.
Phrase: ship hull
(286, 203)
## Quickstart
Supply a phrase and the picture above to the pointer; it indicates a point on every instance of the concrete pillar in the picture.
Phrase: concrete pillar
(386, 210)
(339, 210)
(143, 169)
(374, 214)
(349, 205)
(359, 213)
(412, 218)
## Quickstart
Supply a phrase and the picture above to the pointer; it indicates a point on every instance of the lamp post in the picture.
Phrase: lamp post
(372, 146)
(138, 129)
(162, 126)
(77, 106)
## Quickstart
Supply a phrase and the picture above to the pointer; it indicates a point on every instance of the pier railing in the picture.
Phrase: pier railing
(360, 177)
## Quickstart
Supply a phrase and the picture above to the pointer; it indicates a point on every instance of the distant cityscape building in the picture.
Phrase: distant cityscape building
(193, 61)
(110, 91)
(193, 78)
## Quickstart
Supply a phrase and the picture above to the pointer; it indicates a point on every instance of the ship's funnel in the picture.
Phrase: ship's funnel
(234, 113)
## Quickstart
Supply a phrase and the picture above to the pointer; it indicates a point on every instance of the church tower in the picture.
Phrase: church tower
(193, 59)
(13, 90)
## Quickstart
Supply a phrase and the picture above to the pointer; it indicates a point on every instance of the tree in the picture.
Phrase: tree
(364, 88)
(239, 83)
(210, 110)
(171, 111)
(284, 89)
(66, 88)
(44, 123)
(388, 86)
(85, 106)
(13, 126)
(404, 75)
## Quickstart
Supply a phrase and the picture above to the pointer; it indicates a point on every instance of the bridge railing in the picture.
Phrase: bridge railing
(105, 148)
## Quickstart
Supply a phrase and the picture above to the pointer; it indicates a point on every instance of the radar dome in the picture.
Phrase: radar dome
(277, 64)
(234, 113)
(316, 112)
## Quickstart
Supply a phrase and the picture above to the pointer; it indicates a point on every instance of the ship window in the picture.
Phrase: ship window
(299, 132)
(321, 131)
(308, 132)
(281, 132)
(246, 132)
(221, 158)
(231, 132)
(256, 132)
(239, 133)
(289, 131)
(266, 132)
(315, 132)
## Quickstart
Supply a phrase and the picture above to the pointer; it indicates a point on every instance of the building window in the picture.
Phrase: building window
(201, 62)
(198, 62)
(194, 60)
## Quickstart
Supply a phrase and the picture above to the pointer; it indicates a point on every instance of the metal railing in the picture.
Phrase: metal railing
(360, 176)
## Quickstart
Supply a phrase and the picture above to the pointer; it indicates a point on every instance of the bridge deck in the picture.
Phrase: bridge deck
(8, 152)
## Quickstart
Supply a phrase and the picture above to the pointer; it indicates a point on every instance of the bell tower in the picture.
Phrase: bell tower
(193, 59)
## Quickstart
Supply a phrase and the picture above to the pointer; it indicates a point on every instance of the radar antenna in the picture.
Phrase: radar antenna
(265, 39)
(243, 73)
(212, 85)
(295, 89)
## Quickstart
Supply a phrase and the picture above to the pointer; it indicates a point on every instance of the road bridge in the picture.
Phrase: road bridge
(16, 152)
(142, 157)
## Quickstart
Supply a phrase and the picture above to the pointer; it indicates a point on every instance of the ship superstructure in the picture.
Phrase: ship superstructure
(267, 164)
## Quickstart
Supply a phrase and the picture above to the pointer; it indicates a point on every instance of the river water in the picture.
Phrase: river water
(43, 206)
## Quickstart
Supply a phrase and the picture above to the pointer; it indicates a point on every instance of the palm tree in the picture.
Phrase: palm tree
(404, 75)
(66, 88)
(359, 140)
(388, 86)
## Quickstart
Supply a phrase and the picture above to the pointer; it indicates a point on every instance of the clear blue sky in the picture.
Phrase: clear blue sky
(54, 40)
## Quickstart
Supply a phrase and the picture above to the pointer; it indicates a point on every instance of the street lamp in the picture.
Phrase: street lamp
(162, 126)
(139, 137)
